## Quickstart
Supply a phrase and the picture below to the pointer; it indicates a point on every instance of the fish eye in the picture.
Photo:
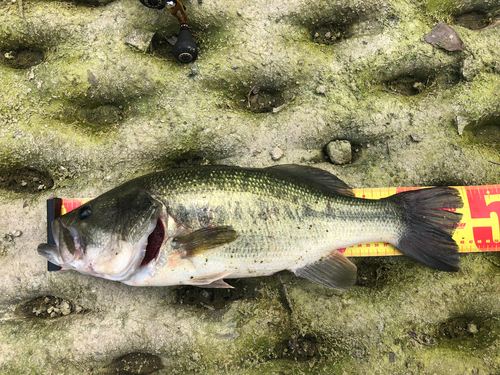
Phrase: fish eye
(84, 212)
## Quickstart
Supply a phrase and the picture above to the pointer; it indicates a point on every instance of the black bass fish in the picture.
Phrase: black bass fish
(199, 226)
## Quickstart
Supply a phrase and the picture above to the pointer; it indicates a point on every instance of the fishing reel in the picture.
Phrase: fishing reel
(185, 49)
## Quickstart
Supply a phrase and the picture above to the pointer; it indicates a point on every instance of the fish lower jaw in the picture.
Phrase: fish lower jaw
(141, 257)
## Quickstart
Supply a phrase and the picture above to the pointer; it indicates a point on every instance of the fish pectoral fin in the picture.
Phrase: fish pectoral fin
(203, 239)
(210, 281)
(333, 271)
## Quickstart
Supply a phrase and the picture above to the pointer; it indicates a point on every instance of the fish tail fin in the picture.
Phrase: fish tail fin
(429, 226)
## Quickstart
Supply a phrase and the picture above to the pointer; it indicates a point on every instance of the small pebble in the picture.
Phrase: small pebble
(16, 233)
(392, 357)
(277, 109)
(416, 138)
(172, 40)
(194, 71)
(65, 308)
(472, 328)
(277, 154)
(321, 90)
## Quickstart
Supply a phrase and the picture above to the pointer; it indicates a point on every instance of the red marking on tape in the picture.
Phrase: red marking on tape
(483, 236)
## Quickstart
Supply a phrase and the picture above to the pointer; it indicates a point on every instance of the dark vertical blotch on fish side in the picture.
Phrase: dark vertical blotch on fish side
(427, 236)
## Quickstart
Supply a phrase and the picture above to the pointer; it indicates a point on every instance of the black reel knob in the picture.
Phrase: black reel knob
(185, 49)
(155, 4)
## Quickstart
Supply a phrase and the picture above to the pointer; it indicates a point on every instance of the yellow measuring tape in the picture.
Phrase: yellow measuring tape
(478, 231)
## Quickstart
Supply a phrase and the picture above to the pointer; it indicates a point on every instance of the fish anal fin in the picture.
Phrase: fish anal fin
(333, 271)
(326, 180)
(210, 281)
(204, 239)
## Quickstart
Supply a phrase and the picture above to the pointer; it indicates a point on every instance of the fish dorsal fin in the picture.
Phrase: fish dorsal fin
(203, 239)
(333, 271)
(325, 179)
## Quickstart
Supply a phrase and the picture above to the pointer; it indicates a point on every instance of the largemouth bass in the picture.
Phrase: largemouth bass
(199, 226)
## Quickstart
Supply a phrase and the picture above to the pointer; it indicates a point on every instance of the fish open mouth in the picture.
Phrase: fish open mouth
(155, 240)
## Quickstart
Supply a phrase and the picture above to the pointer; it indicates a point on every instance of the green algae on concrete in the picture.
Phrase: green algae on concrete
(93, 113)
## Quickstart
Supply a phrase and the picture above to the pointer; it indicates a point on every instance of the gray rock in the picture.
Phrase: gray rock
(140, 39)
(339, 152)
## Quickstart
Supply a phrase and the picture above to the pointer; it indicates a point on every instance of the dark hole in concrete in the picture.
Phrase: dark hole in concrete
(377, 273)
(457, 328)
(21, 58)
(297, 347)
(477, 331)
(488, 133)
(214, 299)
(98, 119)
(92, 3)
(407, 85)
(25, 180)
(473, 20)
(162, 46)
(260, 100)
(134, 363)
(371, 275)
(330, 34)
(107, 114)
(356, 152)
(47, 307)
(414, 84)
(302, 348)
